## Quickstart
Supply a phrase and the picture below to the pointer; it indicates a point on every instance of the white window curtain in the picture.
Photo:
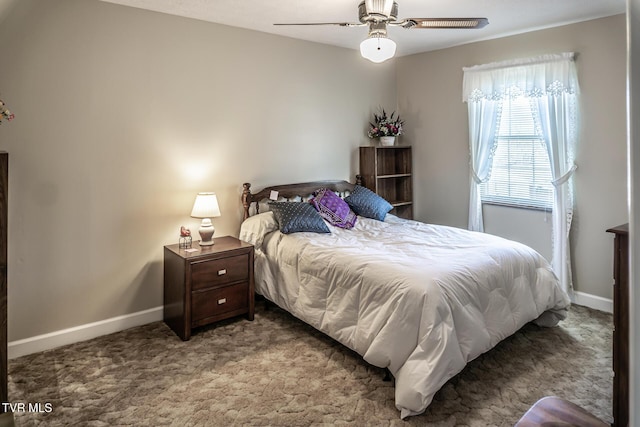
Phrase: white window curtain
(552, 81)
(484, 120)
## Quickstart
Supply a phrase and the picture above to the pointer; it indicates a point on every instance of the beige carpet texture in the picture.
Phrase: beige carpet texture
(278, 371)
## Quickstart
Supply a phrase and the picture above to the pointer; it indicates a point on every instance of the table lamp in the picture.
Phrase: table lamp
(206, 207)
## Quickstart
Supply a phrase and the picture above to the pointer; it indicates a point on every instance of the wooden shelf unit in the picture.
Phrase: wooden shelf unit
(388, 172)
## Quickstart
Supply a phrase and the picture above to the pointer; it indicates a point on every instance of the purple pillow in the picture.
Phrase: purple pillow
(332, 208)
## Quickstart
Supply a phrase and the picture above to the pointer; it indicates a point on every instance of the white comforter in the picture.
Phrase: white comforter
(421, 300)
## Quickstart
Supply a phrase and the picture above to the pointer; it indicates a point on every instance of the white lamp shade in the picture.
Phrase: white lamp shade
(205, 206)
(378, 49)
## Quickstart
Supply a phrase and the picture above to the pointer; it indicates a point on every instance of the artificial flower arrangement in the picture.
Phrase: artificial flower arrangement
(5, 113)
(384, 125)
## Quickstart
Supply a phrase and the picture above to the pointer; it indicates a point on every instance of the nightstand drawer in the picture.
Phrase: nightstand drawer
(206, 304)
(219, 272)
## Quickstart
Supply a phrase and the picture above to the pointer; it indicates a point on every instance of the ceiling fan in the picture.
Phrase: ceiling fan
(377, 14)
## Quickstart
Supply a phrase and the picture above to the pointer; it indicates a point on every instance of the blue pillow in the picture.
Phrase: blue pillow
(294, 217)
(365, 202)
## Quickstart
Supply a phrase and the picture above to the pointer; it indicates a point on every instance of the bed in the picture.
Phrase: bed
(419, 299)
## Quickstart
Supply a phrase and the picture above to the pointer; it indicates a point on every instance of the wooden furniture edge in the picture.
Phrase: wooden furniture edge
(288, 191)
(621, 374)
(4, 190)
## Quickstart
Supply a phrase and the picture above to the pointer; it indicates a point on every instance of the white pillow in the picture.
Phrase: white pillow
(254, 228)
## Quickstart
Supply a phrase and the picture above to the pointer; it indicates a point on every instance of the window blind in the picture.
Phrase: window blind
(520, 173)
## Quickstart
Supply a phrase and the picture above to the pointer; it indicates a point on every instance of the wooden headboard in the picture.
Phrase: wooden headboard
(289, 191)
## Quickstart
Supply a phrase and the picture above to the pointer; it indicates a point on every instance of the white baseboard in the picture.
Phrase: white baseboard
(120, 323)
(82, 332)
(592, 301)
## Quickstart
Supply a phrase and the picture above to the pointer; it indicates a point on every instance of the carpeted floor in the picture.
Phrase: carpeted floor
(278, 371)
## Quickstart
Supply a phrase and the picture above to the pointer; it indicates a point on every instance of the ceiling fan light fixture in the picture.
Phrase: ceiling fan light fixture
(377, 49)
(379, 14)
(378, 10)
(380, 7)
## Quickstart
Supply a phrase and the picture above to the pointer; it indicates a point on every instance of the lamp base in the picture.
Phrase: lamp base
(206, 231)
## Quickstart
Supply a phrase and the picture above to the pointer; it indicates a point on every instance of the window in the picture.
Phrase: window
(508, 160)
(520, 172)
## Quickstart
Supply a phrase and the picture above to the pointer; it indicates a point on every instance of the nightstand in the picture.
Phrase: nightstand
(207, 284)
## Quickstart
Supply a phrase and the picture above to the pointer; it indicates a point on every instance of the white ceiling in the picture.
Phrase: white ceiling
(506, 17)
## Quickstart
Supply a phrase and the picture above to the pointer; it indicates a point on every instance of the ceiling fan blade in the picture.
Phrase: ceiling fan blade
(443, 23)
(341, 24)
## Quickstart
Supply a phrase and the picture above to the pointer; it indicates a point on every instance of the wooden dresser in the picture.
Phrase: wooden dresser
(620, 325)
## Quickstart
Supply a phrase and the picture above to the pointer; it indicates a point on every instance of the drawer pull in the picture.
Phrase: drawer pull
(222, 301)
(222, 272)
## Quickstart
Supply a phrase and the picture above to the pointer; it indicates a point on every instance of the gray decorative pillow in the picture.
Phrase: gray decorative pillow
(295, 217)
(365, 202)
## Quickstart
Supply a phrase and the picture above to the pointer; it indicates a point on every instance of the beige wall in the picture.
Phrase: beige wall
(429, 93)
(123, 115)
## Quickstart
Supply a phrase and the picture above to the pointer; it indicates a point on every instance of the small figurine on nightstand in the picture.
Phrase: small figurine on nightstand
(185, 238)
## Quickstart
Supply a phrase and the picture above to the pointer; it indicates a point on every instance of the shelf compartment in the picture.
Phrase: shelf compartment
(393, 161)
(395, 188)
